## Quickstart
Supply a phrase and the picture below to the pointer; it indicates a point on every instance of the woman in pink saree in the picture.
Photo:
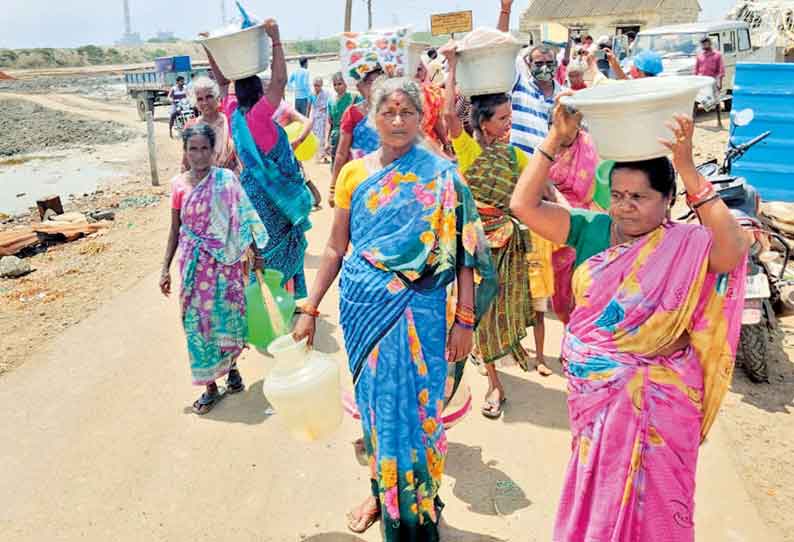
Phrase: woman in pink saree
(650, 346)
(573, 174)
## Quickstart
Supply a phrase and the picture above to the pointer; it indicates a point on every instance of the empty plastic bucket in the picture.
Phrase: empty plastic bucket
(603, 194)
(308, 148)
(268, 308)
(240, 54)
(627, 118)
(304, 389)
(487, 70)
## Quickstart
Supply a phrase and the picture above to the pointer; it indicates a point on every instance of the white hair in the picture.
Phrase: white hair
(385, 87)
(205, 83)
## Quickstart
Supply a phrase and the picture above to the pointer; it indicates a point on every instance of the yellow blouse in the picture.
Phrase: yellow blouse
(468, 150)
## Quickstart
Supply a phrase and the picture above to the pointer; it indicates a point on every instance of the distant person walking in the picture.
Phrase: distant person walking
(318, 113)
(299, 84)
(710, 63)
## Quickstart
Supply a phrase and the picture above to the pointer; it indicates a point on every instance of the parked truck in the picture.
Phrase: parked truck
(149, 87)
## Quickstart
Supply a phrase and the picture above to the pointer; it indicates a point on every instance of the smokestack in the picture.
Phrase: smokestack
(127, 22)
(223, 12)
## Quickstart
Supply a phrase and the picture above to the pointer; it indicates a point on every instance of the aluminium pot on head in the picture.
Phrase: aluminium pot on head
(627, 118)
(241, 53)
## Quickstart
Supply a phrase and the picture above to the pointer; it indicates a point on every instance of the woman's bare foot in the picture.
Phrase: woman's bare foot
(364, 515)
(544, 370)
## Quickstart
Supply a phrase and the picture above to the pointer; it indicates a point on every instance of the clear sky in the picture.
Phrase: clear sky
(70, 23)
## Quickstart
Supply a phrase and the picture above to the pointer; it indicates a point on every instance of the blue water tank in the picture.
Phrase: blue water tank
(767, 89)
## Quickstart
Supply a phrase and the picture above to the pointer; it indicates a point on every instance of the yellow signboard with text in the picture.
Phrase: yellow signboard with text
(451, 23)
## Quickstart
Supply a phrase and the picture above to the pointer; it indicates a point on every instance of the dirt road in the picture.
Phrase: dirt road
(99, 442)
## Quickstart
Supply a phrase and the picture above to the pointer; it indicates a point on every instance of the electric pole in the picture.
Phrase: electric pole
(348, 14)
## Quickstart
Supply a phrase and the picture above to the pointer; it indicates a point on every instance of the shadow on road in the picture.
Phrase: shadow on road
(324, 340)
(480, 484)
(530, 402)
(248, 407)
(778, 395)
(333, 537)
(451, 534)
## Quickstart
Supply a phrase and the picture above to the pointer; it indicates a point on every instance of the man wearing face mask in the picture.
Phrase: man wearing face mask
(534, 90)
(709, 63)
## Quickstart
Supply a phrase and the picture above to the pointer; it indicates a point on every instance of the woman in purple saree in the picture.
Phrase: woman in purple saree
(650, 345)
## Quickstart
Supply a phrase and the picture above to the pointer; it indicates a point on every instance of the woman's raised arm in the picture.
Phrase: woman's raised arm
(549, 220)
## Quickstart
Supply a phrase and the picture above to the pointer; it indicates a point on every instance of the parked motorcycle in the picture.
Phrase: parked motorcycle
(764, 285)
(184, 113)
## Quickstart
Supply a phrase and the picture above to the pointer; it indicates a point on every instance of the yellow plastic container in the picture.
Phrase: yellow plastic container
(308, 148)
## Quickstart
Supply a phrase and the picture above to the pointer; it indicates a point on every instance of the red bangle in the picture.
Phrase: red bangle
(706, 192)
(310, 310)
(276, 44)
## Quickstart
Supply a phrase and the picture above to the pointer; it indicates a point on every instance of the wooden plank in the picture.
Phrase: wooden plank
(11, 242)
(69, 232)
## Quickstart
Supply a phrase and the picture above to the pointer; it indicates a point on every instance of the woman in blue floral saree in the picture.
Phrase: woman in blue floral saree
(414, 231)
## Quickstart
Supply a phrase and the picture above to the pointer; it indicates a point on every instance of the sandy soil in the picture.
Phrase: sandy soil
(72, 280)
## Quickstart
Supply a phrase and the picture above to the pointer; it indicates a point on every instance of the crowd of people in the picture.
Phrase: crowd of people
(458, 224)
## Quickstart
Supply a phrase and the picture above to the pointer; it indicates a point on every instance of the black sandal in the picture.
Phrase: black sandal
(207, 401)
(234, 382)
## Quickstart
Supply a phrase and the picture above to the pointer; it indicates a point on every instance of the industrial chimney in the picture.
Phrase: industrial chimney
(127, 22)
(129, 37)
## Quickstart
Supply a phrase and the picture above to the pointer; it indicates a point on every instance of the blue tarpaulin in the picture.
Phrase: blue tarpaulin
(767, 89)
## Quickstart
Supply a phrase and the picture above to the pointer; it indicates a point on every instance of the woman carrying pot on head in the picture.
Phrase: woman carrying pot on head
(213, 224)
(356, 135)
(413, 230)
(492, 169)
(271, 175)
(207, 98)
(650, 346)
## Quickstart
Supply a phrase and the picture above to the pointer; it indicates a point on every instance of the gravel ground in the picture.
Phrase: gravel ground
(28, 127)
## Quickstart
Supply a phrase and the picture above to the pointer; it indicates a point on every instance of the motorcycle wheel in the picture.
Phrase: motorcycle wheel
(179, 125)
(753, 347)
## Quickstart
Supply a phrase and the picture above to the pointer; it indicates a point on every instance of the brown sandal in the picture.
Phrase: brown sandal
(364, 521)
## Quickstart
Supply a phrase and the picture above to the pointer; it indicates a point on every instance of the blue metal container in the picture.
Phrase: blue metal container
(767, 89)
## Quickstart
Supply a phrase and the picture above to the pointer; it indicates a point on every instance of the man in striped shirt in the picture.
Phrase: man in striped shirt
(534, 90)
(533, 97)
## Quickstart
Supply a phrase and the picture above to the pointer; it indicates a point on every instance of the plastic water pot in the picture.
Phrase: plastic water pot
(627, 118)
(487, 70)
(240, 54)
(308, 148)
(603, 193)
(268, 308)
(303, 389)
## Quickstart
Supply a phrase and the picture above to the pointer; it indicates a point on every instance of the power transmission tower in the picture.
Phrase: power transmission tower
(348, 14)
